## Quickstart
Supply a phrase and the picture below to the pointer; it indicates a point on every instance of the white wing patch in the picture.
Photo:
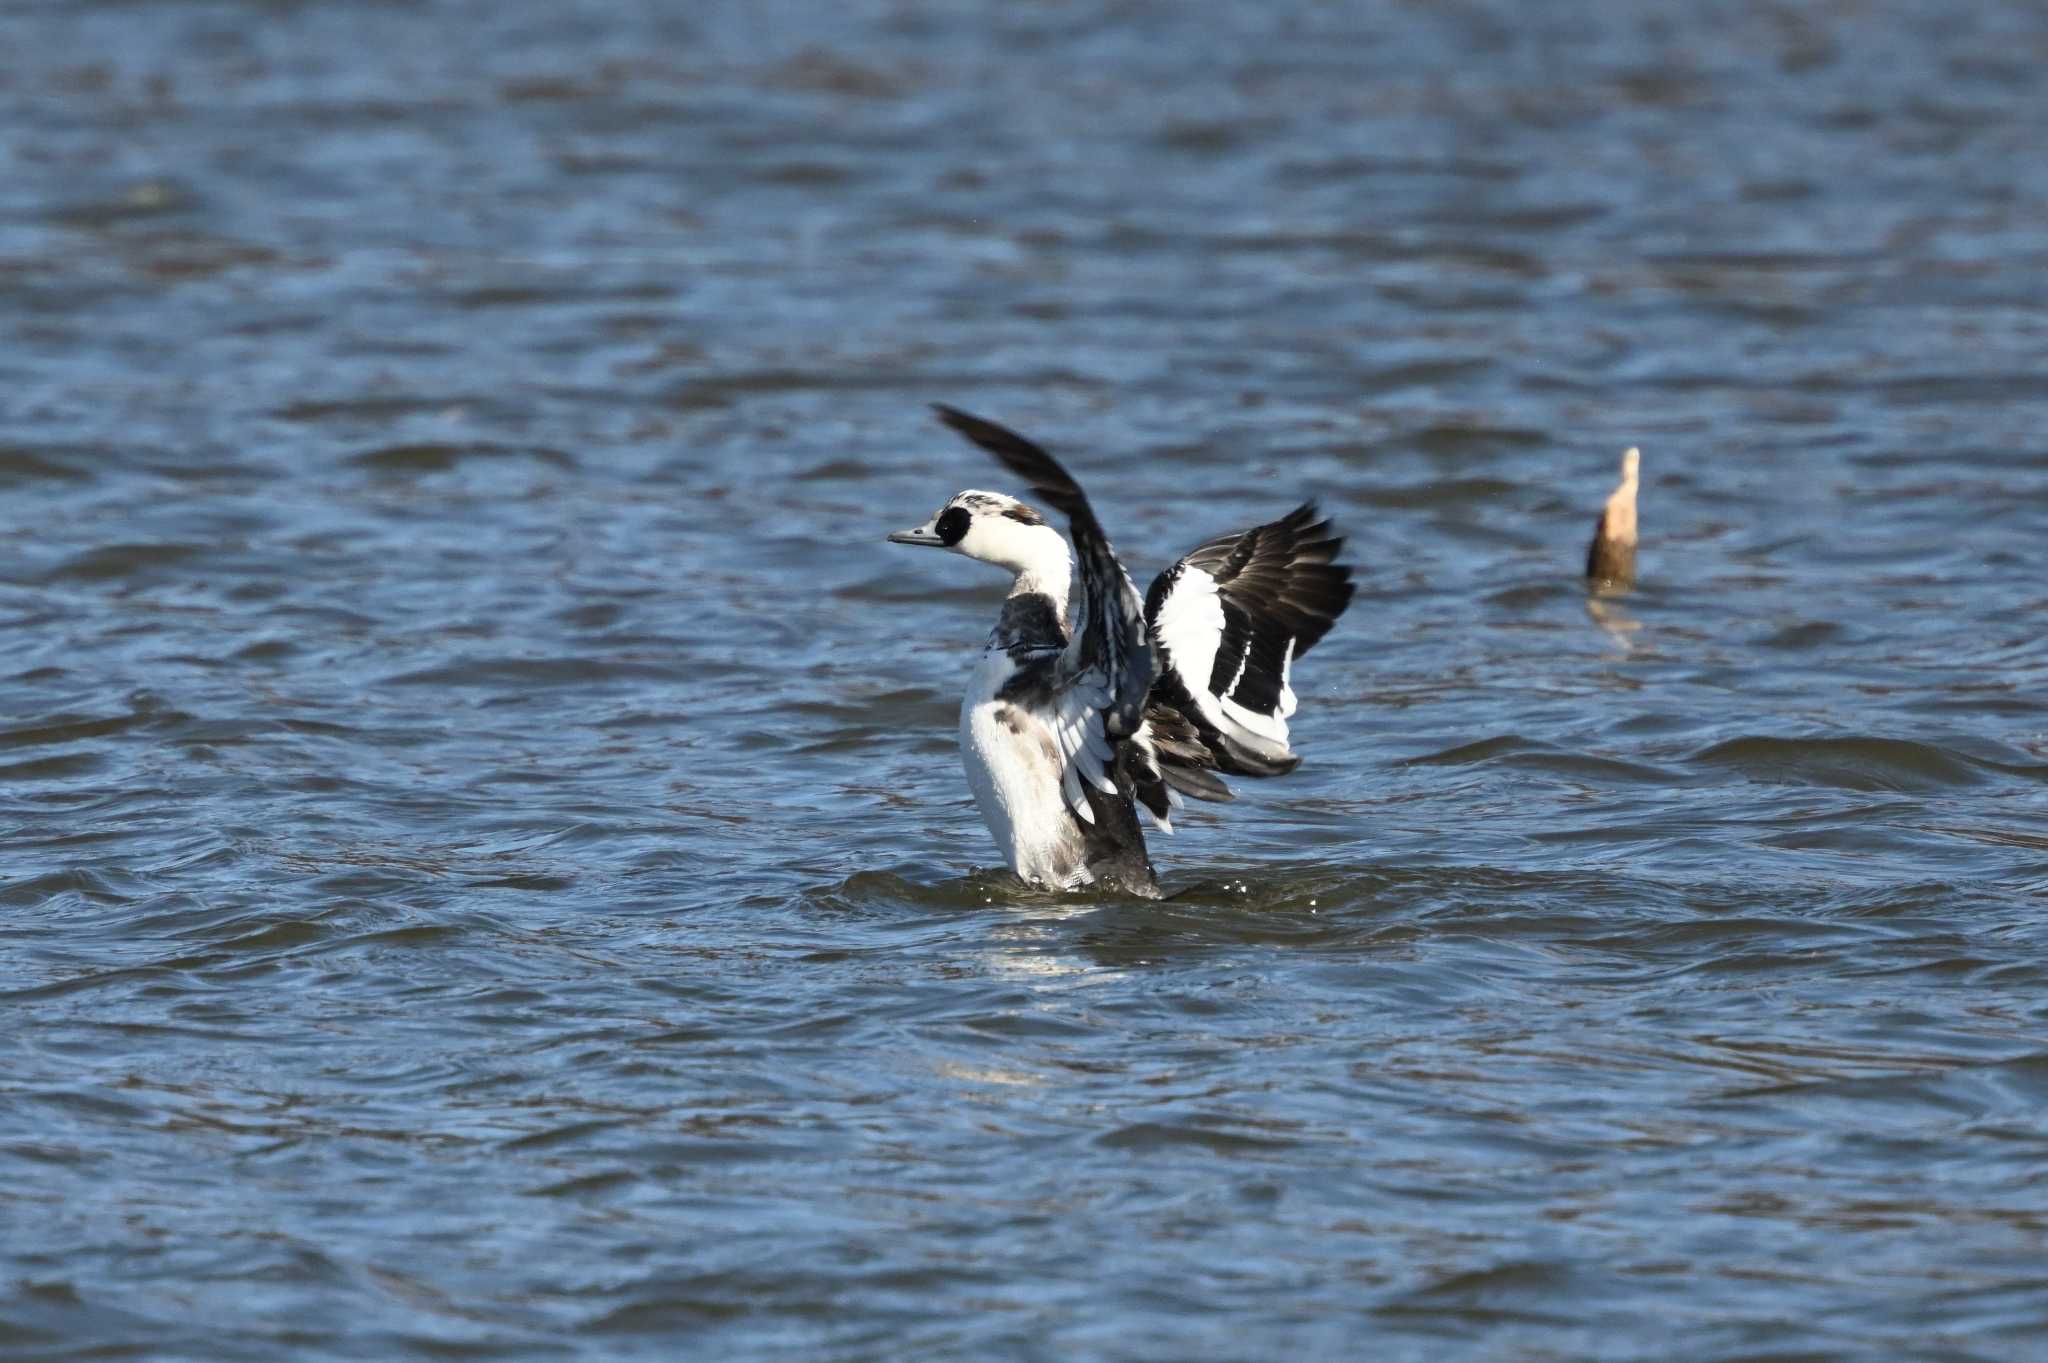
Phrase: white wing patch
(1190, 625)
(1085, 751)
(1189, 630)
(1090, 759)
(1272, 728)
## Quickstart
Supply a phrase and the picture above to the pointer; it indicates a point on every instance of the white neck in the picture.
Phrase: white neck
(1046, 579)
(1043, 564)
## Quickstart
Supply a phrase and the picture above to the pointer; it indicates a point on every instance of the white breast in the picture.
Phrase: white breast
(1014, 767)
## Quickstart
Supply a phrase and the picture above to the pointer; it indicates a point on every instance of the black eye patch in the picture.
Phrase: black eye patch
(952, 525)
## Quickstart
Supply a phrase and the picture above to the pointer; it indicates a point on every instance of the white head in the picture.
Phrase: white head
(990, 527)
(999, 530)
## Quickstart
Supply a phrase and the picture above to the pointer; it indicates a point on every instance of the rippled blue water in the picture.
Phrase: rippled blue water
(484, 869)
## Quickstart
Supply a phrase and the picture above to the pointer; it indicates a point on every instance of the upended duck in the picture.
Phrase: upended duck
(1090, 707)
(1611, 557)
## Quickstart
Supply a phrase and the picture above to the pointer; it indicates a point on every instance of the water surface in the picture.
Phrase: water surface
(484, 869)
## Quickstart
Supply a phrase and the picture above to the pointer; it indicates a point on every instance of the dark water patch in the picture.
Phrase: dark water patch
(837, 469)
(178, 257)
(1995, 700)
(285, 937)
(1462, 440)
(1512, 752)
(1530, 596)
(102, 887)
(588, 1185)
(725, 389)
(1482, 750)
(1592, 767)
(1423, 373)
(1520, 1292)
(820, 70)
(1319, 171)
(65, 728)
(50, 768)
(1809, 634)
(536, 882)
(380, 410)
(526, 294)
(28, 465)
(116, 561)
(2003, 837)
(882, 891)
(524, 673)
(909, 711)
(1437, 493)
(440, 458)
(1860, 763)
(142, 201)
(806, 174)
(1216, 1139)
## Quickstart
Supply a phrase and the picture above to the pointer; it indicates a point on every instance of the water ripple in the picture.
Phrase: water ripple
(486, 869)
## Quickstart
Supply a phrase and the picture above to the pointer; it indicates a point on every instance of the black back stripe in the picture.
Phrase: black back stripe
(1231, 649)
(1265, 672)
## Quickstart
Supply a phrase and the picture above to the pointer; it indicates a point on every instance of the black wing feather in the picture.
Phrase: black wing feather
(1284, 575)
(1279, 589)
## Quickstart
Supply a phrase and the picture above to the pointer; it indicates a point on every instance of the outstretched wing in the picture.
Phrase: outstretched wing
(1097, 693)
(1229, 620)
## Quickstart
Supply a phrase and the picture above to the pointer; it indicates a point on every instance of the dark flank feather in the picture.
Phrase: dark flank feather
(1609, 560)
(1611, 557)
(1185, 761)
(1115, 844)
